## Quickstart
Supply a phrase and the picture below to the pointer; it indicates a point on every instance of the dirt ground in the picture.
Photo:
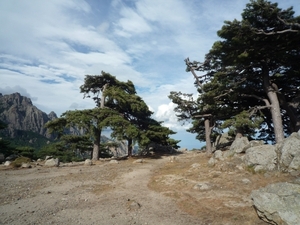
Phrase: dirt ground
(162, 190)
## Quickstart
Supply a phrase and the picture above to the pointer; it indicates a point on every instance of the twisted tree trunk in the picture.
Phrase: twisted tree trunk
(274, 107)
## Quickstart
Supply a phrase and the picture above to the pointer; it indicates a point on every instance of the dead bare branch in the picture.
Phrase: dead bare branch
(192, 68)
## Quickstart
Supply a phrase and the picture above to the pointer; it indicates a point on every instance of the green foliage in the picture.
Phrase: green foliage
(255, 54)
(19, 161)
(26, 151)
(5, 148)
(57, 150)
(119, 108)
(25, 138)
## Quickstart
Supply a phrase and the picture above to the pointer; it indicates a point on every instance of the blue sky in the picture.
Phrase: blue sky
(47, 47)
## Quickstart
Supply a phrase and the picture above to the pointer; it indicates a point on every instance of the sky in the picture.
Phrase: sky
(47, 48)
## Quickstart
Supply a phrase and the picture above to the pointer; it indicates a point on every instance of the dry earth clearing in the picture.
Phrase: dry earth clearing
(164, 190)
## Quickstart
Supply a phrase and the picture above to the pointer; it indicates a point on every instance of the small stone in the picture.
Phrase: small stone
(139, 161)
(88, 162)
(7, 163)
(114, 161)
(246, 181)
(202, 186)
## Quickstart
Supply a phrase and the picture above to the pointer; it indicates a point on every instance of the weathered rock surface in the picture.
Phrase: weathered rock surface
(218, 155)
(289, 152)
(7, 163)
(253, 143)
(239, 144)
(25, 165)
(88, 162)
(20, 114)
(261, 157)
(278, 203)
(52, 162)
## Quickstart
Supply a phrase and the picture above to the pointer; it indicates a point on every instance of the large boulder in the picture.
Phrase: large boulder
(289, 152)
(262, 157)
(239, 144)
(278, 203)
(253, 143)
(52, 162)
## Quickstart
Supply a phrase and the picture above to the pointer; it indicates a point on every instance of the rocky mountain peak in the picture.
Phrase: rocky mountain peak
(52, 115)
(19, 113)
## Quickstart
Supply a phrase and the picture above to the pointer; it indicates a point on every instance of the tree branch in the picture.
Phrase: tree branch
(192, 67)
(268, 105)
(297, 25)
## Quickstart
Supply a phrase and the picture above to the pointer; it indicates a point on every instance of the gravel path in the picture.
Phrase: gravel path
(105, 193)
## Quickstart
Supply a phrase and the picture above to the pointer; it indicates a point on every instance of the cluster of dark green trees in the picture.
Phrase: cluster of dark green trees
(119, 108)
(250, 82)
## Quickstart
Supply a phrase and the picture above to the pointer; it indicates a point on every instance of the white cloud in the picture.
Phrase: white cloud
(166, 113)
(9, 90)
(131, 23)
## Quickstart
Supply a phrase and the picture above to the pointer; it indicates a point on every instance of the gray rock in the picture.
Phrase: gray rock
(295, 164)
(139, 161)
(219, 155)
(202, 186)
(88, 162)
(7, 163)
(195, 165)
(278, 203)
(261, 157)
(114, 161)
(228, 154)
(246, 181)
(48, 157)
(239, 144)
(25, 165)
(289, 152)
(52, 162)
(20, 114)
(211, 162)
(253, 143)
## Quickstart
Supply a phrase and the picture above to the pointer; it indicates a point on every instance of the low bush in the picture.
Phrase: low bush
(19, 161)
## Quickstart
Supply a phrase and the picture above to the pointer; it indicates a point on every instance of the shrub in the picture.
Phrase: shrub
(19, 161)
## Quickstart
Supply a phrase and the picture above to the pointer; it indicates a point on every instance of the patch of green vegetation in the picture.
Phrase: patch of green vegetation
(19, 161)
(250, 168)
(25, 138)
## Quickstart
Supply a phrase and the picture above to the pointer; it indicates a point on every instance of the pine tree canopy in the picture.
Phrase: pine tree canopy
(251, 76)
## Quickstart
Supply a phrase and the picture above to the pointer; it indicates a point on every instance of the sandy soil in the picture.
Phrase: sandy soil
(164, 190)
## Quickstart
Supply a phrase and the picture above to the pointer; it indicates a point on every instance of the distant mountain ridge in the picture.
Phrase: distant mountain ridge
(20, 114)
(26, 123)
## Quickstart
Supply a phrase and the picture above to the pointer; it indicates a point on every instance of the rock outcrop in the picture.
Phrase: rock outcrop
(278, 203)
(289, 153)
(19, 113)
(262, 157)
